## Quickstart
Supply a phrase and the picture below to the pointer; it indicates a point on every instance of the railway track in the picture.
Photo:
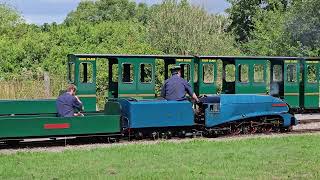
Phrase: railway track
(65, 144)
(310, 125)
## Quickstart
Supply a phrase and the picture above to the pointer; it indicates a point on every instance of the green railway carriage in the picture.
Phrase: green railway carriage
(132, 75)
(294, 79)
(240, 75)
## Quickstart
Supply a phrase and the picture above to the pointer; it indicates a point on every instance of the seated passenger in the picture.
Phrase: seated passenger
(68, 102)
(175, 88)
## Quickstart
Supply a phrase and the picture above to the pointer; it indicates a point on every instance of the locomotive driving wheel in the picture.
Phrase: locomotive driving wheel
(253, 130)
(236, 131)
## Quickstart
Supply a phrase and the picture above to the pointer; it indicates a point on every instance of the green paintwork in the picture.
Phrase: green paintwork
(112, 108)
(292, 89)
(227, 87)
(112, 91)
(34, 106)
(207, 88)
(136, 88)
(190, 62)
(311, 90)
(250, 87)
(86, 91)
(13, 127)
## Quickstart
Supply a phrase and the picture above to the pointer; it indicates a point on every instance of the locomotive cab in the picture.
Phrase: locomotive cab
(207, 108)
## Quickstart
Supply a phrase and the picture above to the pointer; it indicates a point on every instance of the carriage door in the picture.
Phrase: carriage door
(228, 76)
(146, 78)
(187, 70)
(113, 77)
(292, 83)
(82, 73)
(251, 76)
(276, 79)
(311, 85)
(207, 76)
(127, 79)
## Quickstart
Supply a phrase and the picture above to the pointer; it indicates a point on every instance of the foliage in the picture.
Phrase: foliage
(244, 12)
(284, 157)
(304, 25)
(107, 10)
(269, 37)
(9, 19)
(282, 28)
(176, 27)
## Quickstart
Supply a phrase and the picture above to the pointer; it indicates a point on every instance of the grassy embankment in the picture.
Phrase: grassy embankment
(293, 157)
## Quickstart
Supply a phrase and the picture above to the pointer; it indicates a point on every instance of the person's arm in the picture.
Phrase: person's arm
(195, 97)
(190, 92)
(77, 103)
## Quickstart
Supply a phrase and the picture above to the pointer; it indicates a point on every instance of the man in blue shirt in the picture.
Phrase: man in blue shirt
(68, 102)
(175, 88)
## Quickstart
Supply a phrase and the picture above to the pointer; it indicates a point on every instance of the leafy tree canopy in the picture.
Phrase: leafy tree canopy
(107, 10)
(242, 14)
(176, 27)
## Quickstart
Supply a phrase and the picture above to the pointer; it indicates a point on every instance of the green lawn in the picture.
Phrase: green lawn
(291, 157)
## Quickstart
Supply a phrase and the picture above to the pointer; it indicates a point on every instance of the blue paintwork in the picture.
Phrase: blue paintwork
(226, 108)
(157, 113)
(242, 106)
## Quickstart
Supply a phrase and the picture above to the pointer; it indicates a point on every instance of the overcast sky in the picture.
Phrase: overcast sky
(41, 11)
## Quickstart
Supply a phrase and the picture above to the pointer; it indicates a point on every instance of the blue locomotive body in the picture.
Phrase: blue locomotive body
(228, 108)
(211, 112)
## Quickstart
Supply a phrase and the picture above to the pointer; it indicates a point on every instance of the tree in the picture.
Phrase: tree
(9, 18)
(179, 28)
(269, 37)
(288, 33)
(244, 12)
(107, 10)
(304, 25)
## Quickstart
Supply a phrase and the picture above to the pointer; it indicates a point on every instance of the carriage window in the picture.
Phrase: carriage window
(243, 73)
(230, 73)
(185, 71)
(71, 72)
(145, 73)
(115, 72)
(86, 73)
(312, 77)
(127, 73)
(258, 75)
(277, 73)
(291, 73)
(208, 73)
(196, 70)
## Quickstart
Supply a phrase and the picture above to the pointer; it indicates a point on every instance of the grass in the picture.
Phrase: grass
(292, 157)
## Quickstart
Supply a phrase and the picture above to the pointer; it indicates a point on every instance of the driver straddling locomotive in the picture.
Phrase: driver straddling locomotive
(175, 88)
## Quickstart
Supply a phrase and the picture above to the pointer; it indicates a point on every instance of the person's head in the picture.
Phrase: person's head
(72, 89)
(176, 70)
